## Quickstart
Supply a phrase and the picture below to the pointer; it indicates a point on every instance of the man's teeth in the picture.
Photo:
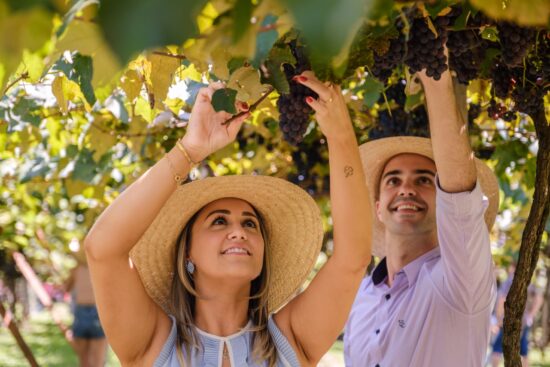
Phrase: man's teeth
(408, 207)
(235, 250)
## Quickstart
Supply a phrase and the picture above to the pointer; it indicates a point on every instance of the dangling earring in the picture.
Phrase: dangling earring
(189, 266)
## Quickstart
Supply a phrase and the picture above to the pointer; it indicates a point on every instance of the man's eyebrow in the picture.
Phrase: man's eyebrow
(396, 172)
(392, 173)
(249, 214)
(425, 172)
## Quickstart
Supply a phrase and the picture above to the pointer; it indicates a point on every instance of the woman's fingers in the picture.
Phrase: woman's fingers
(241, 106)
(308, 79)
(318, 106)
(206, 93)
(235, 125)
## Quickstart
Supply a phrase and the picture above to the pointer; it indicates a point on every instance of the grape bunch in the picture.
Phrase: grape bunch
(425, 49)
(385, 63)
(398, 122)
(467, 50)
(503, 80)
(499, 111)
(396, 92)
(515, 41)
(293, 109)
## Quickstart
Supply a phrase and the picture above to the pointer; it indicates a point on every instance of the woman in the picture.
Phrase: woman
(213, 260)
(89, 339)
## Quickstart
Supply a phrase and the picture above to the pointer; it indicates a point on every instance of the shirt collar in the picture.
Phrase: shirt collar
(411, 270)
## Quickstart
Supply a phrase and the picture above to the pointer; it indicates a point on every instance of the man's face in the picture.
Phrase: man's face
(406, 204)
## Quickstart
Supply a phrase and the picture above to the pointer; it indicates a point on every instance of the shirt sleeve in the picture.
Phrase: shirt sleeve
(347, 356)
(465, 277)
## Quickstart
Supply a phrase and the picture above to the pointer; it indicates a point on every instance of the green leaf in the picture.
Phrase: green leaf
(437, 7)
(265, 41)
(276, 77)
(85, 167)
(37, 168)
(79, 69)
(490, 34)
(86, 38)
(372, 89)
(24, 112)
(68, 18)
(131, 26)
(412, 101)
(83, 73)
(523, 12)
(224, 100)
(246, 81)
(242, 12)
(328, 25)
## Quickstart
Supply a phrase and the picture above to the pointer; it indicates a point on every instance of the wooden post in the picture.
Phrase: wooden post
(8, 321)
(43, 296)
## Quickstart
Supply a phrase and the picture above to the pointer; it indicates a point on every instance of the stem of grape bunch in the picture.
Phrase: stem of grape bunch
(252, 107)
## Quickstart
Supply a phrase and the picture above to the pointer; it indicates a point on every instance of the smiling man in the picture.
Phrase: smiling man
(429, 300)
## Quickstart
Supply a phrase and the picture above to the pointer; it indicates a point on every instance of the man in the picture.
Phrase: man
(429, 301)
(535, 300)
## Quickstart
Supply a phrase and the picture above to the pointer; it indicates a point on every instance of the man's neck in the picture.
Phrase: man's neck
(402, 250)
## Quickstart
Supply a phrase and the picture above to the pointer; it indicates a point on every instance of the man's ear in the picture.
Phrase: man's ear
(378, 212)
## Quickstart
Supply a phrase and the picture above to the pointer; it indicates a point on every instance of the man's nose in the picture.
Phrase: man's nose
(407, 189)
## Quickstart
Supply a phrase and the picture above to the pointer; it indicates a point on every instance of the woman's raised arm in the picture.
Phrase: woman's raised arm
(315, 318)
(135, 326)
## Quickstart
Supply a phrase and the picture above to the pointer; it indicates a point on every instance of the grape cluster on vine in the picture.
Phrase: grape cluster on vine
(527, 83)
(294, 111)
(467, 49)
(385, 63)
(396, 121)
(515, 41)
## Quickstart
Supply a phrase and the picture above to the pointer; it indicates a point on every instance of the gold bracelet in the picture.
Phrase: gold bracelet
(186, 155)
(177, 177)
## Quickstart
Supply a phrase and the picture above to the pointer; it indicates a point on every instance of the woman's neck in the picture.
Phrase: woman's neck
(222, 309)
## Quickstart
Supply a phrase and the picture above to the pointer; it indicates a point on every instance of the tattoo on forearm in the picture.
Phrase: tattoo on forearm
(348, 171)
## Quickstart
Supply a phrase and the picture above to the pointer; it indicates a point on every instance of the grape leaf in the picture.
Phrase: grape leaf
(224, 100)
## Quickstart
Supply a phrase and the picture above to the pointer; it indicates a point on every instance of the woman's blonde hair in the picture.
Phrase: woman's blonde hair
(183, 295)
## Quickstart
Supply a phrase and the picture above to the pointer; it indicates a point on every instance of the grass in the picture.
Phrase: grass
(50, 348)
(45, 340)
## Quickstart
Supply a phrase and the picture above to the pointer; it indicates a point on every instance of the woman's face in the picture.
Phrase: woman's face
(226, 241)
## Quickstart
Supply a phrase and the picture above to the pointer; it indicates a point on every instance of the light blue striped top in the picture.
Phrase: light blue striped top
(239, 347)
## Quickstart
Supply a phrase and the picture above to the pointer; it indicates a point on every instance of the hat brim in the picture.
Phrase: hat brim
(375, 154)
(292, 222)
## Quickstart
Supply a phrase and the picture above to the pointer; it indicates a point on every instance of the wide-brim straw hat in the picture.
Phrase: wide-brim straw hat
(292, 223)
(375, 154)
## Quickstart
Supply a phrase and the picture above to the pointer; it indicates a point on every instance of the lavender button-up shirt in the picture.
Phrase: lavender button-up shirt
(438, 310)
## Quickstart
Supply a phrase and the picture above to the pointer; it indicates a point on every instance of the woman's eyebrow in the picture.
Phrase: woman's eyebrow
(220, 211)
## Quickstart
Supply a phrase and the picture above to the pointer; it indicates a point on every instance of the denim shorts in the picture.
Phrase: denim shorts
(524, 342)
(86, 323)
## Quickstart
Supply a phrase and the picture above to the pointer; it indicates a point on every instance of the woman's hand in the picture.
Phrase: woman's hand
(330, 108)
(206, 132)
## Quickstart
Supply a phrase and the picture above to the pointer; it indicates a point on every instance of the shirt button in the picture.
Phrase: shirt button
(377, 331)
(388, 296)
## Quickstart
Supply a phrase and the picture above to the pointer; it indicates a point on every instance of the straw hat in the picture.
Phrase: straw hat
(375, 154)
(291, 217)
